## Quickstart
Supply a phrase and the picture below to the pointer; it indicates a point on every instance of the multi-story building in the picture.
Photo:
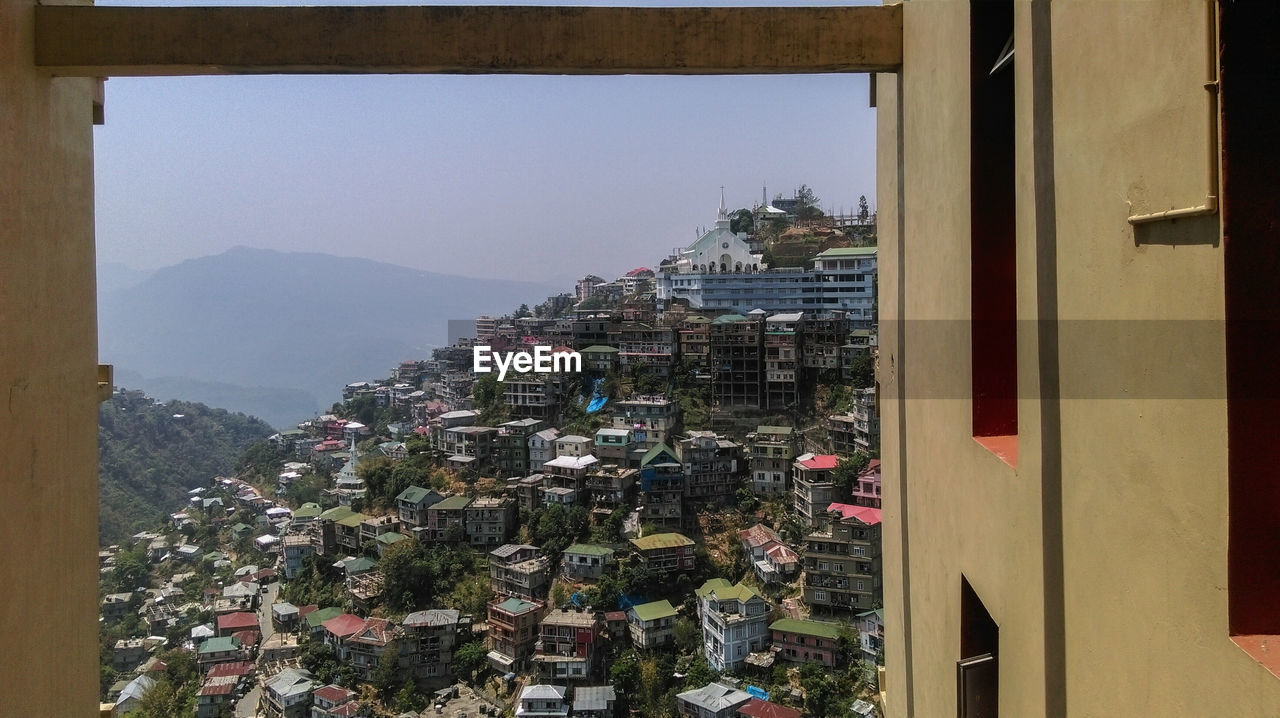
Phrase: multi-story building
(695, 341)
(783, 341)
(542, 448)
(296, 548)
(599, 359)
(490, 521)
(363, 650)
(665, 554)
(287, 694)
(412, 505)
(513, 445)
(824, 333)
(532, 396)
(800, 641)
(871, 635)
(469, 446)
(447, 519)
(610, 486)
(847, 280)
(574, 446)
(564, 478)
(842, 562)
(770, 453)
(812, 487)
(543, 701)
(616, 446)
(662, 487)
(711, 466)
(866, 491)
(334, 701)
(568, 646)
(651, 419)
(428, 640)
(586, 561)
(513, 631)
(771, 560)
(735, 623)
(645, 345)
(866, 425)
(652, 624)
(595, 329)
(737, 361)
(519, 570)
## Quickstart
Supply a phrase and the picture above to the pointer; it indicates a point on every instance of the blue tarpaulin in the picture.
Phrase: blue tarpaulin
(757, 692)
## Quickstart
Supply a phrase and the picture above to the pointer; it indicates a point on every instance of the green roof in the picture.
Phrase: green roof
(218, 645)
(726, 591)
(653, 453)
(668, 540)
(728, 319)
(337, 513)
(587, 549)
(360, 565)
(413, 494)
(696, 319)
(308, 510)
(774, 430)
(315, 618)
(806, 628)
(293, 432)
(599, 349)
(352, 521)
(238, 528)
(515, 605)
(653, 611)
(391, 537)
(847, 252)
(879, 612)
(453, 503)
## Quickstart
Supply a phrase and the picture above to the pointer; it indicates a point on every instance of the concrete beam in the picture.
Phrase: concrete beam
(140, 41)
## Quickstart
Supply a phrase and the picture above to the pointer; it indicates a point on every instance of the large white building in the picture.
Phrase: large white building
(735, 623)
(718, 272)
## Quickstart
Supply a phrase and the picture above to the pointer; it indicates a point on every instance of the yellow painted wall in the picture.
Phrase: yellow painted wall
(48, 405)
(1143, 425)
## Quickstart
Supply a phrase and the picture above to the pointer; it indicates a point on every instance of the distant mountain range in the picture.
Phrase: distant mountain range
(277, 335)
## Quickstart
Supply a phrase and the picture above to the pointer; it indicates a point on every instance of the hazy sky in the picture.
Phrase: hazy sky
(494, 176)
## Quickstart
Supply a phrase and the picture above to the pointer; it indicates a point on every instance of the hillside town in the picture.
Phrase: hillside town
(689, 524)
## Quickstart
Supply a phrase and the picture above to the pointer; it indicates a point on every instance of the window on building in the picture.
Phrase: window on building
(993, 288)
(977, 671)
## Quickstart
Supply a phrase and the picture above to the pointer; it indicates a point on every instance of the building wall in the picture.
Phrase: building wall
(1102, 555)
(48, 379)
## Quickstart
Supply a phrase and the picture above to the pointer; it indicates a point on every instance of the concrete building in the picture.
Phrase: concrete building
(614, 445)
(784, 339)
(812, 487)
(866, 491)
(653, 347)
(801, 641)
(513, 631)
(711, 466)
(429, 639)
(842, 561)
(665, 554)
(824, 334)
(446, 519)
(610, 486)
(737, 361)
(542, 448)
(532, 396)
(651, 419)
(770, 453)
(543, 701)
(715, 700)
(490, 521)
(519, 570)
(412, 505)
(735, 623)
(573, 446)
(287, 694)
(586, 561)
(858, 430)
(568, 649)
(662, 488)
(513, 445)
(652, 624)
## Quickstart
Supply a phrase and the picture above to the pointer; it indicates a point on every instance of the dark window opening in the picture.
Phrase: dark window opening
(993, 307)
(1250, 112)
(977, 671)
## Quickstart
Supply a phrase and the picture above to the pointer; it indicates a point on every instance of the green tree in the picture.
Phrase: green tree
(864, 371)
(699, 674)
(386, 675)
(741, 220)
(131, 571)
(807, 203)
(845, 475)
(408, 700)
(486, 397)
(687, 635)
(864, 212)
(407, 574)
(469, 659)
(522, 312)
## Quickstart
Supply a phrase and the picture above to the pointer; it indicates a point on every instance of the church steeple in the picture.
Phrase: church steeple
(722, 217)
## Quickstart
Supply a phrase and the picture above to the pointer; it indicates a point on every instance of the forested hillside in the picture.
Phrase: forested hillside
(150, 455)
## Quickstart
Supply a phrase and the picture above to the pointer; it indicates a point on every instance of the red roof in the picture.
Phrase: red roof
(375, 631)
(562, 349)
(236, 621)
(758, 535)
(247, 638)
(821, 462)
(219, 686)
(304, 610)
(334, 694)
(234, 668)
(781, 553)
(615, 616)
(764, 709)
(638, 270)
(158, 667)
(865, 514)
(344, 625)
(346, 709)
